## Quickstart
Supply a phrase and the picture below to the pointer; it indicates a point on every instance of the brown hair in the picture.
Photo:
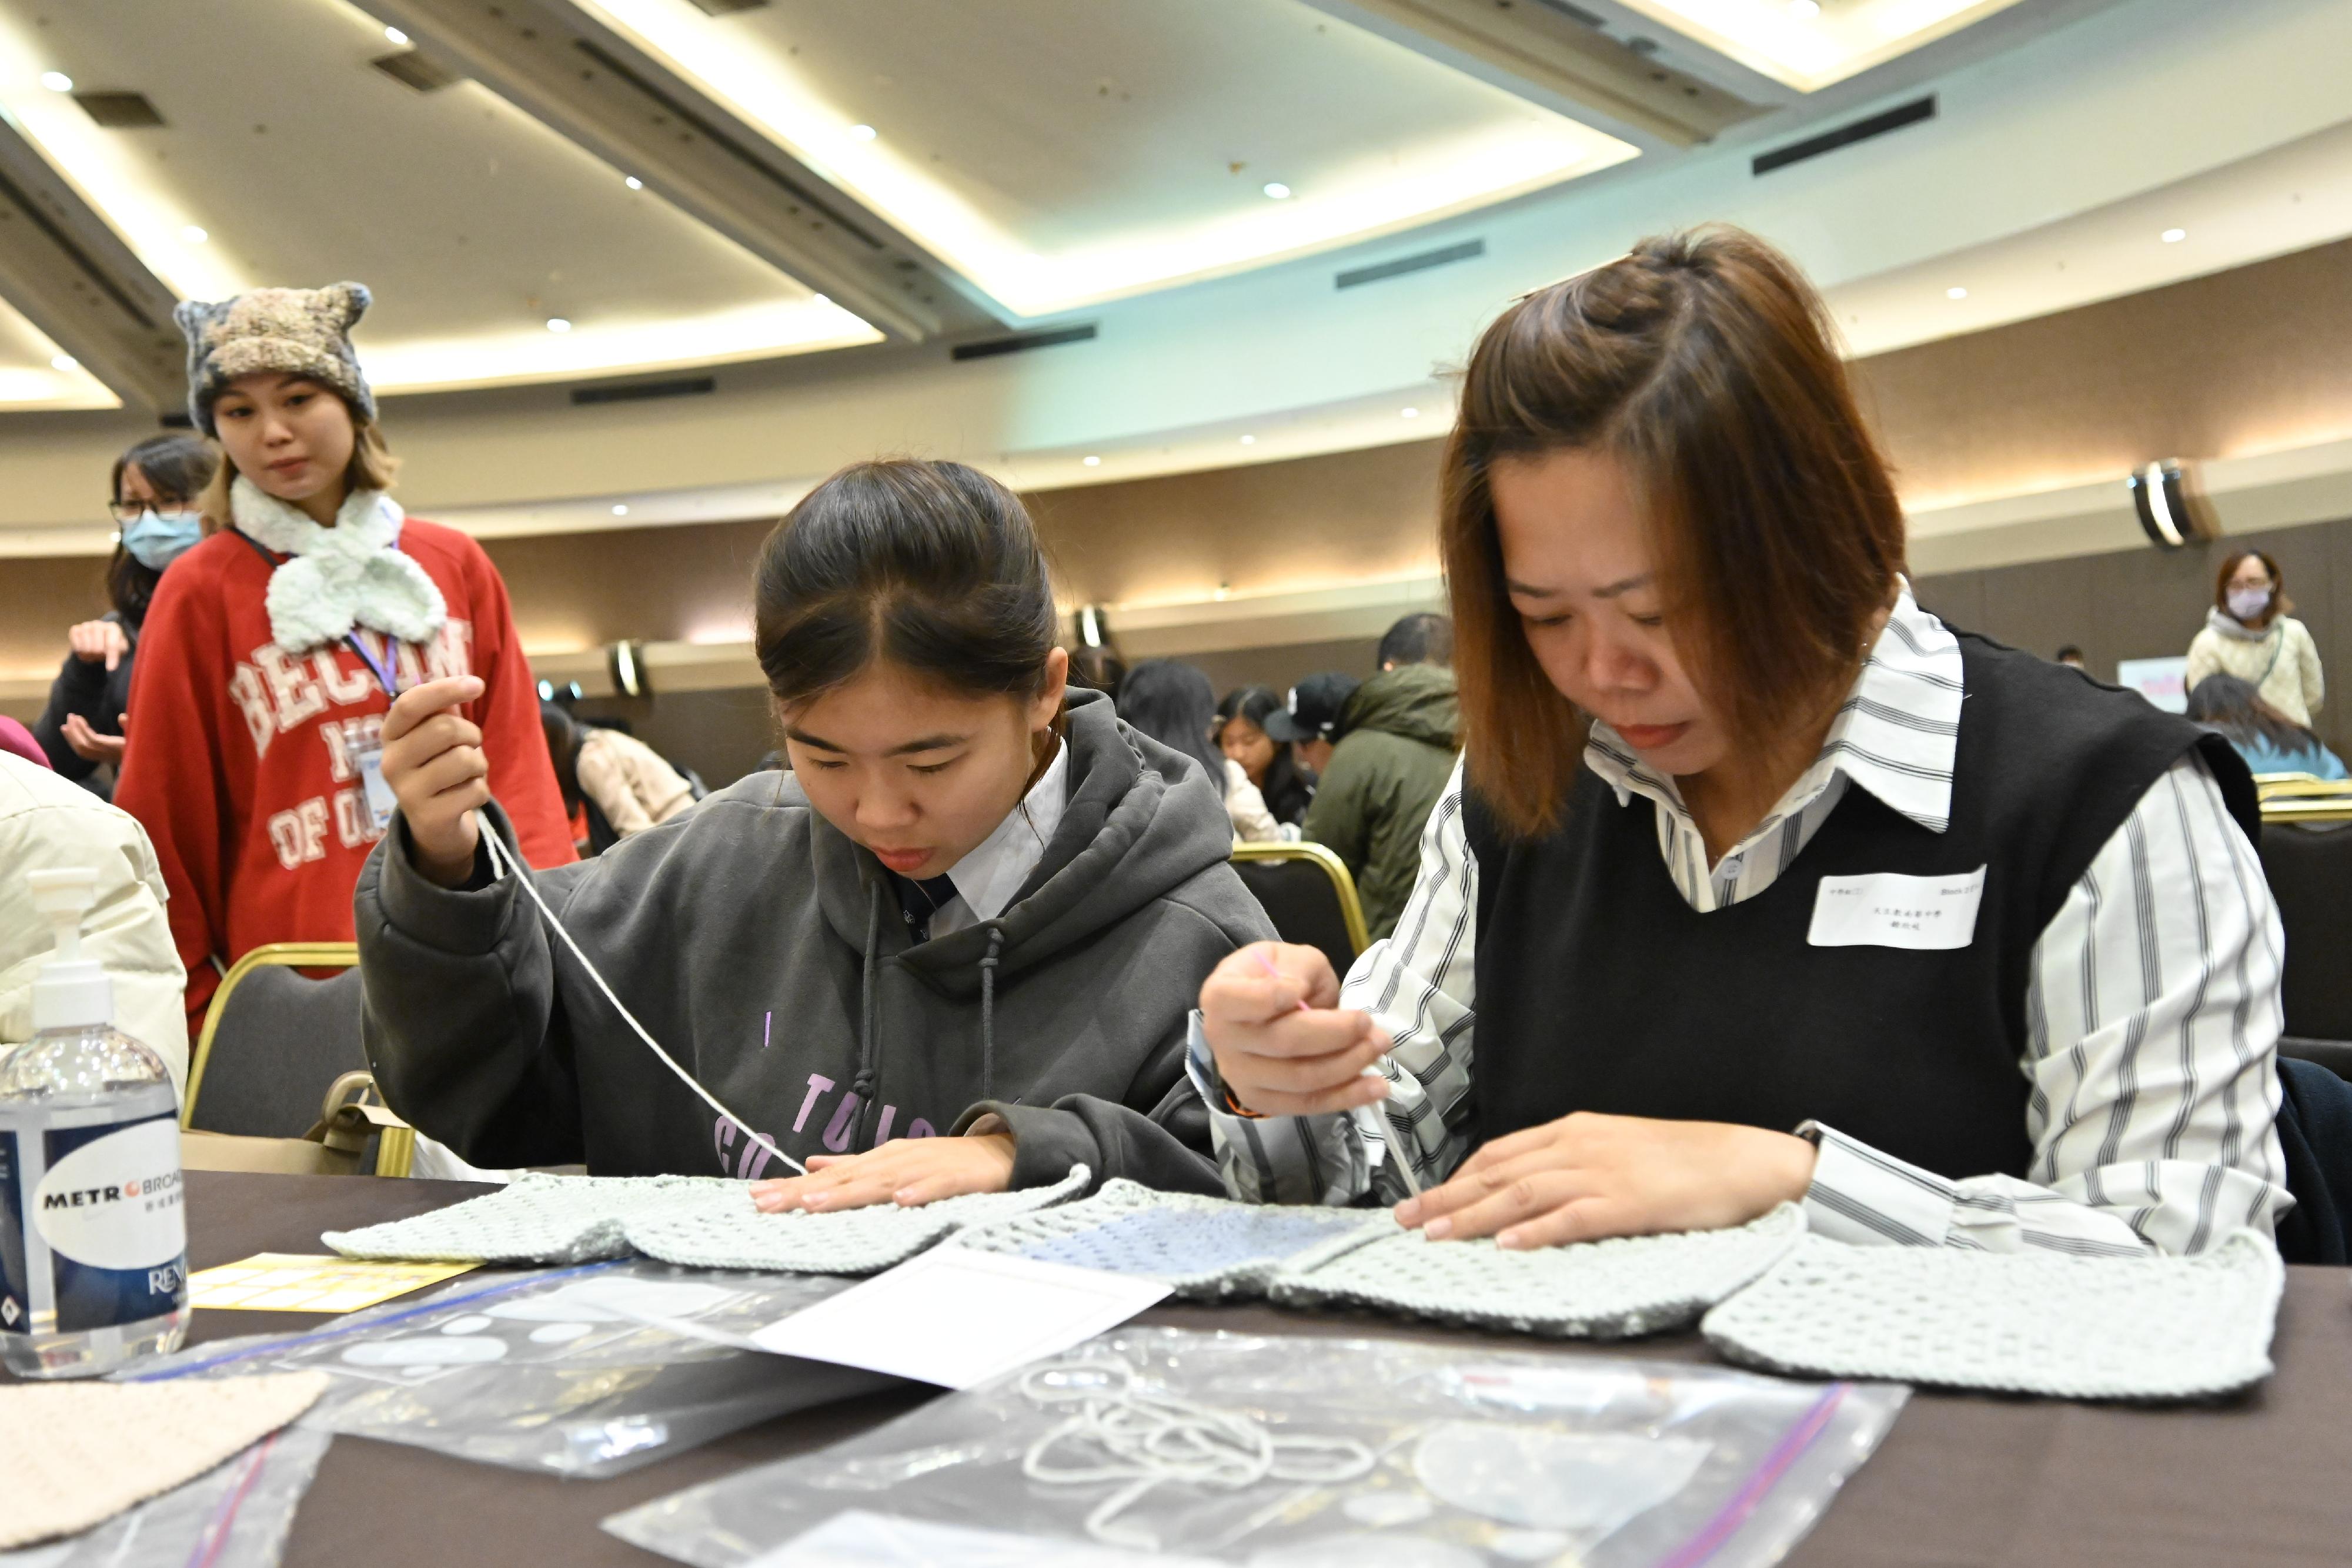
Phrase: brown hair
(1706, 365)
(2279, 603)
(372, 467)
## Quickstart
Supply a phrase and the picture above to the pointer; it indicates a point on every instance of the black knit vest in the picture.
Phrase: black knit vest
(1598, 989)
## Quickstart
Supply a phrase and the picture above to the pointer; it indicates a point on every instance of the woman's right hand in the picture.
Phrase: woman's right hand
(433, 760)
(99, 642)
(1282, 1045)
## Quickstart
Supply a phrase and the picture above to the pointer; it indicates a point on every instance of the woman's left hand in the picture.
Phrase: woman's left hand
(904, 1171)
(1586, 1176)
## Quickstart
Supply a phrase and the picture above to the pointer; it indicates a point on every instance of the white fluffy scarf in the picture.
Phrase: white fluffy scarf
(349, 575)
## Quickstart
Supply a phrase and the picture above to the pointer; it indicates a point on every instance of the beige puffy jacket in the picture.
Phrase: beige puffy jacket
(49, 824)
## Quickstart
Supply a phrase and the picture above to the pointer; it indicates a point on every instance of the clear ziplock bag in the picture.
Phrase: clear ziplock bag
(1281, 1452)
(589, 1371)
(235, 1515)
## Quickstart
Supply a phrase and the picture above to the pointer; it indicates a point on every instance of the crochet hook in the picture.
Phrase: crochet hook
(1387, 1129)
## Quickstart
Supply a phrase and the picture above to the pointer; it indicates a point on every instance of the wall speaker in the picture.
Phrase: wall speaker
(2170, 512)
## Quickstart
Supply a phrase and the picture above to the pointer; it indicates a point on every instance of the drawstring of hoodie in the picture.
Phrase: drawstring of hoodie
(869, 1063)
(988, 1013)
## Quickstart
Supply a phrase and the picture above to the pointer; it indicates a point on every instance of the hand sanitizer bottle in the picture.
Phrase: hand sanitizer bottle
(93, 1240)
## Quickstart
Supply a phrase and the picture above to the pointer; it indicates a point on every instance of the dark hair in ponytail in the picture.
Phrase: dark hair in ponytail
(933, 566)
(1173, 702)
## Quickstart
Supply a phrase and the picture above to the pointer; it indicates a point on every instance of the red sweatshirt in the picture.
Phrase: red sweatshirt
(239, 764)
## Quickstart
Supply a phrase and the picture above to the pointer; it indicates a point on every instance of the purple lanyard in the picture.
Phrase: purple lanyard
(384, 676)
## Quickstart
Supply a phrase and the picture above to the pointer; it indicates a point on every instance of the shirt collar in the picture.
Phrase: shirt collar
(990, 875)
(1895, 736)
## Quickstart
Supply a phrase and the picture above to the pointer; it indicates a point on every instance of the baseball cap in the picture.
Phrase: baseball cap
(1313, 713)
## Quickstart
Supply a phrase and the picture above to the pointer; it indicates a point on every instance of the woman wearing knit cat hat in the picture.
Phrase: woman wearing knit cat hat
(272, 648)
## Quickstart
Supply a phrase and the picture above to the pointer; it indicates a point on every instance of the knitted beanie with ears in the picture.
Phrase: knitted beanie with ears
(292, 332)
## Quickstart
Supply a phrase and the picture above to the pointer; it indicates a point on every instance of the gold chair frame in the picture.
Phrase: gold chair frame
(1351, 908)
(396, 1147)
(2302, 798)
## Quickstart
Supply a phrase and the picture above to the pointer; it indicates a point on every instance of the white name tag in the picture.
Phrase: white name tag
(1925, 913)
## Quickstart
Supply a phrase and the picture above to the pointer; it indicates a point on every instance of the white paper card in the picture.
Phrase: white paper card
(1927, 914)
(956, 1317)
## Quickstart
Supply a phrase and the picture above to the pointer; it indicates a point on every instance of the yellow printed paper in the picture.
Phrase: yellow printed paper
(294, 1282)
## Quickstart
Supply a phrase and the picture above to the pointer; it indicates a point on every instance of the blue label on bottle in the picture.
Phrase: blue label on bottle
(92, 1230)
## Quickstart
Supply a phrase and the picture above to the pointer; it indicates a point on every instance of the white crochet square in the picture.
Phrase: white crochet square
(727, 1232)
(1594, 1290)
(1206, 1248)
(2026, 1322)
(702, 1221)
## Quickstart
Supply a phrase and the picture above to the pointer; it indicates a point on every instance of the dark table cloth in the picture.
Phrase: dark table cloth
(1961, 1480)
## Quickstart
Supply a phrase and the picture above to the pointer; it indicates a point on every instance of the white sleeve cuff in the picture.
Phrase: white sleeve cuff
(1863, 1196)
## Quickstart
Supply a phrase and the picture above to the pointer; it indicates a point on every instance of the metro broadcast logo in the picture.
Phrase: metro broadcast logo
(165, 1185)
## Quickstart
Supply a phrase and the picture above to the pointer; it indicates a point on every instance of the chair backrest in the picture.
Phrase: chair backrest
(274, 1041)
(1308, 893)
(2310, 872)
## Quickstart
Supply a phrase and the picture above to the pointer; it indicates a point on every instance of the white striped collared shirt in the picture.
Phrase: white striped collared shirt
(2152, 1009)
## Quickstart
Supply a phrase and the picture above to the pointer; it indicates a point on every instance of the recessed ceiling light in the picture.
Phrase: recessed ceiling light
(394, 37)
(2174, 236)
(862, 132)
(622, 511)
(1278, 190)
(56, 81)
(633, 183)
(64, 362)
(1249, 440)
(1092, 462)
(1805, 10)
(1408, 414)
(1956, 293)
(558, 324)
(194, 234)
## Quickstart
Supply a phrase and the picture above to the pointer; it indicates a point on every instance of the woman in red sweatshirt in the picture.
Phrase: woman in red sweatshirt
(272, 648)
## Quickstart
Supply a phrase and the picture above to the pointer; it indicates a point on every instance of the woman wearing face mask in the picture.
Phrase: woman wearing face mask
(154, 492)
(272, 648)
(2251, 632)
(979, 903)
(1759, 884)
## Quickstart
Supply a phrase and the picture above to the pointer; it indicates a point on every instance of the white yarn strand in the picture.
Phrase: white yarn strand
(1148, 1438)
(503, 864)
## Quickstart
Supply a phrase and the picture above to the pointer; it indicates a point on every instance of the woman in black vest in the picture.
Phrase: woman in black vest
(1758, 884)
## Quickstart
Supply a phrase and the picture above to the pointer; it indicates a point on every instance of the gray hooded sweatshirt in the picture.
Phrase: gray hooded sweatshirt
(766, 952)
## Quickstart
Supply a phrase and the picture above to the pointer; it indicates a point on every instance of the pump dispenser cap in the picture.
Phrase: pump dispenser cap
(71, 992)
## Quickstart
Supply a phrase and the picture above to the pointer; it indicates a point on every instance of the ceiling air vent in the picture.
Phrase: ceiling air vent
(1574, 13)
(1444, 255)
(644, 391)
(413, 69)
(727, 7)
(1895, 119)
(1021, 342)
(120, 110)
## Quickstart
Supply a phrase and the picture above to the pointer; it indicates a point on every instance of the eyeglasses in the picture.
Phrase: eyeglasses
(126, 512)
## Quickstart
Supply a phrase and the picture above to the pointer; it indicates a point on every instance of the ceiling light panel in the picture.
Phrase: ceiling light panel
(1062, 155)
(473, 224)
(1809, 45)
(36, 373)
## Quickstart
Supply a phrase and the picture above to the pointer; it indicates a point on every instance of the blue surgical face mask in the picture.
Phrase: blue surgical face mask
(159, 538)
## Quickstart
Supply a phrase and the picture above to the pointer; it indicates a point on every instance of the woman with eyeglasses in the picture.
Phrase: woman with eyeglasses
(153, 499)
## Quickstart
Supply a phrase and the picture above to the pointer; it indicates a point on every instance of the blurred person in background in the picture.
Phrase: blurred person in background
(1308, 720)
(2268, 740)
(2071, 656)
(621, 785)
(1394, 750)
(1269, 763)
(1173, 702)
(272, 648)
(153, 497)
(2251, 632)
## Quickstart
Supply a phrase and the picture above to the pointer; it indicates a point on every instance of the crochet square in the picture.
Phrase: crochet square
(1616, 1289)
(2026, 1322)
(701, 1221)
(1204, 1249)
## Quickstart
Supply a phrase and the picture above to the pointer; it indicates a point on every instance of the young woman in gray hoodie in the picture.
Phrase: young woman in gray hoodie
(978, 904)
